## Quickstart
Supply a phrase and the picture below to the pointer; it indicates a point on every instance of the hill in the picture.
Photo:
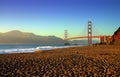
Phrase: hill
(16, 36)
(115, 40)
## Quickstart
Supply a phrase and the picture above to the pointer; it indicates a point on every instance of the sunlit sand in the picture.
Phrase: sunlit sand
(67, 62)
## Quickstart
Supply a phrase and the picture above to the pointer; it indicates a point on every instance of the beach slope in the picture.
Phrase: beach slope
(67, 62)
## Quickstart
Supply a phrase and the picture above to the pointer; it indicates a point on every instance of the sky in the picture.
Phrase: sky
(52, 17)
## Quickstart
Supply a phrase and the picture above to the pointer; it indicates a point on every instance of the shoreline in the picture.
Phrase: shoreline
(75, 49)
(8, 49)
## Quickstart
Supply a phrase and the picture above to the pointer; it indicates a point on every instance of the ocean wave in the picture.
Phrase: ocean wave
(49, 47)
(23, 50)
(4, 51)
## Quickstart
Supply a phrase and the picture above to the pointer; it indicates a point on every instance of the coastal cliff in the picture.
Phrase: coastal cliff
(115, 39)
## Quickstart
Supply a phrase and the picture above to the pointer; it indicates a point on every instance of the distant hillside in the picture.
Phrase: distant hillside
(24, 37)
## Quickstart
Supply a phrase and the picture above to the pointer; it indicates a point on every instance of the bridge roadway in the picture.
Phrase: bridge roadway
(79, 37)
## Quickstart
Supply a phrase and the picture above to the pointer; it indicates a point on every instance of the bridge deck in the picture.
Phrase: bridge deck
(83, 37)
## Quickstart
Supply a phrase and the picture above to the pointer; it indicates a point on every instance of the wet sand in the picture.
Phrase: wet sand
(94, 61)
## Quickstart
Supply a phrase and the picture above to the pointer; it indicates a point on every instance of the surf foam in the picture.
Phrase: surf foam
(23, 50)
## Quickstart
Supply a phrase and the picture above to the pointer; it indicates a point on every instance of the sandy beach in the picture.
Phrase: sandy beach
(94, 61)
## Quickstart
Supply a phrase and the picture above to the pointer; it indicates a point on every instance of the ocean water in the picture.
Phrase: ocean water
(21, 48)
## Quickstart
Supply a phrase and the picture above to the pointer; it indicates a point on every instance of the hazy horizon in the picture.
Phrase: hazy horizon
(52, 17)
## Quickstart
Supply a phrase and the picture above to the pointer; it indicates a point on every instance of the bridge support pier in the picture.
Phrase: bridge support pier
(102, 39)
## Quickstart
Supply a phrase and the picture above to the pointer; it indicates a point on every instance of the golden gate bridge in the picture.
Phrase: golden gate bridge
(102, 38)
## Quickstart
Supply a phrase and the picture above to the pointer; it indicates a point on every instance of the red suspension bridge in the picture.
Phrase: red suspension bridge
(102, 38)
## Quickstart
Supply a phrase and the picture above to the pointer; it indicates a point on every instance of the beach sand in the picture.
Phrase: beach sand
(94, 61)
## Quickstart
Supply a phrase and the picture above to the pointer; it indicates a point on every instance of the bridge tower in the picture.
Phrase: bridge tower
(89, 32)
(65, 34)
(65, 38)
